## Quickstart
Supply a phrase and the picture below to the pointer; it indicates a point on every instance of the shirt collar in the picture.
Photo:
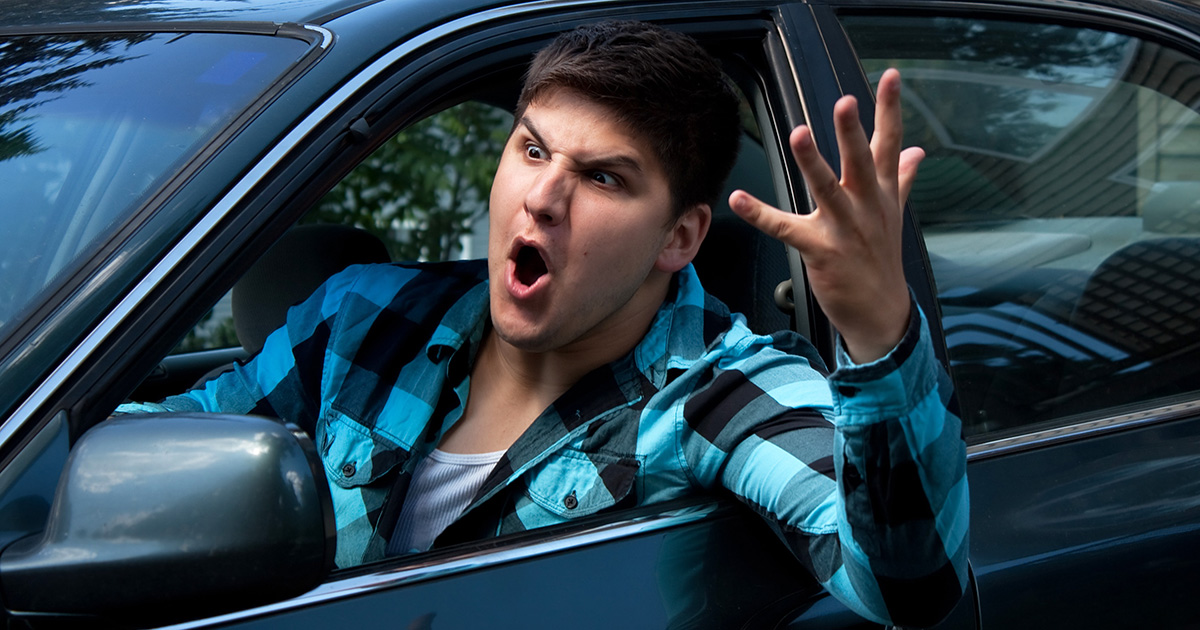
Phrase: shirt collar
(686, 324)
(463, 323)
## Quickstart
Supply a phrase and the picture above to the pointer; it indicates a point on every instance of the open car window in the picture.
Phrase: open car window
(422, 194)
(1057, 204)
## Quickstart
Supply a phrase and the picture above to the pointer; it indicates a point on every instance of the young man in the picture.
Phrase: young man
(583, 368)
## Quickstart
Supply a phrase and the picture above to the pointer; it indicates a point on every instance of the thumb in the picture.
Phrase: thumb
(768, 219)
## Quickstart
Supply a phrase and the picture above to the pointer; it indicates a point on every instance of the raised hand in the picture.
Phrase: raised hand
(851, 244)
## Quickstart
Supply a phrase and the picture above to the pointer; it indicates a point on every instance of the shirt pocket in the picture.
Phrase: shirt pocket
(353, 455)
(571, 483)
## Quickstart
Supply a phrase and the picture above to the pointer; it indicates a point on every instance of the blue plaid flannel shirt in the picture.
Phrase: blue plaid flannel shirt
(862, 473)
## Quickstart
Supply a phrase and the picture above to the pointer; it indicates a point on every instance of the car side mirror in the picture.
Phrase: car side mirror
(164, 517)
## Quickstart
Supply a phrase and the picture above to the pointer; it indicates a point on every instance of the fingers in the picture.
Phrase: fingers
(875, 181)
(822, 182)
(910, 159)
(889, 131)
(766, 218)
(858, 165)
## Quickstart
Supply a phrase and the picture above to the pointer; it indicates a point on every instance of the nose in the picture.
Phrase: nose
(549, 195)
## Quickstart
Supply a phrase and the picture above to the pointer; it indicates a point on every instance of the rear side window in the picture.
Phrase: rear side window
(91, 125)
(1060, 204)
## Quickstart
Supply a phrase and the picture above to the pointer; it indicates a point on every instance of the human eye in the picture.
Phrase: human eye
(533, 151)
(604, 179)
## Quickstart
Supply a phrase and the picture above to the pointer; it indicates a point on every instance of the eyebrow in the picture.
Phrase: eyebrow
(602, 162)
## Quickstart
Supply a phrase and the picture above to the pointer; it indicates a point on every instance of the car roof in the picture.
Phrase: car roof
(23, 15)
(59, 12)
(47, 13)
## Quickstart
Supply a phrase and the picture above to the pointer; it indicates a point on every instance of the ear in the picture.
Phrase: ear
(683, 240)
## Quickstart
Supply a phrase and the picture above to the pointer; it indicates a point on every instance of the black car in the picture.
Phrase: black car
(169, 167)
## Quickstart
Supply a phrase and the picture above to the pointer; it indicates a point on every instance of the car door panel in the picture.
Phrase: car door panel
(1107, 524)
(724, 570)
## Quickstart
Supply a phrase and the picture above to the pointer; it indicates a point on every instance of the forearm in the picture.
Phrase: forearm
(232, 392)
(901, 468)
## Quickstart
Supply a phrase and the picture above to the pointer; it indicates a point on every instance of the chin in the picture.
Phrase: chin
(524, 329)
(525, 340)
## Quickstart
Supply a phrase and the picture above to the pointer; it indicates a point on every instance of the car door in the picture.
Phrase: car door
(698, 563)
(695, 564)
(1057, 205)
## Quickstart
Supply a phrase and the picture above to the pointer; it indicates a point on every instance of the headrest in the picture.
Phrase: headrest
(742, 266)
(291, 270)
(738, 264)
(1145, 297)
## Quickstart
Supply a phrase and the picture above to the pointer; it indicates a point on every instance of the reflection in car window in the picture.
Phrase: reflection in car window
(423, 193)
(91, 124)
(1058, 204)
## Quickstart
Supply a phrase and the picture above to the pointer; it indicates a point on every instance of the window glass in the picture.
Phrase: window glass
(1059, 207)
(91, 124)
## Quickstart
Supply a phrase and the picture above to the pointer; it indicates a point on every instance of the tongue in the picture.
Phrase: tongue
(530, 266)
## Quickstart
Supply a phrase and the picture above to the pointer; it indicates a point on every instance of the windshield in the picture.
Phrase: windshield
(91, 125)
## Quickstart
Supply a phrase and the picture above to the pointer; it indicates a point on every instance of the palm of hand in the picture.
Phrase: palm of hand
(851, 244)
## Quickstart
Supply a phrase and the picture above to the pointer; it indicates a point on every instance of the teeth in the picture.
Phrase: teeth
(530, 266)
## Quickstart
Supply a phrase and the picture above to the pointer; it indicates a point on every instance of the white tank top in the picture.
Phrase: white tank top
(442, 486)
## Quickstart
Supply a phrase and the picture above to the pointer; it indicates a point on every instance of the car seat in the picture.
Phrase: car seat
(304, 258)
(1143, 302)
(295, 266)
(738, 264)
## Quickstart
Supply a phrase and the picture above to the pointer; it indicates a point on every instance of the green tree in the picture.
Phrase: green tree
(424, 189)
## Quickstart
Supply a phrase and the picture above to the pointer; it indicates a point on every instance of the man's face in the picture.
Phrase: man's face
(580, 211)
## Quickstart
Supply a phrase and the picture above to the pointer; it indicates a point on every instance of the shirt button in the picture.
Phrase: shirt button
(348, 470)
(570, 501)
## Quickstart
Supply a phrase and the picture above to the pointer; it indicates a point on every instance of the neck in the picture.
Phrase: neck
(546, 375)
(511, 387)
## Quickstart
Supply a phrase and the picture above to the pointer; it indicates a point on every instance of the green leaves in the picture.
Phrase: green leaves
(423, 191)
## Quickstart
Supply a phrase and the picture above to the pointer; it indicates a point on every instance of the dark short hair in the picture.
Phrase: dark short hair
(663, 85)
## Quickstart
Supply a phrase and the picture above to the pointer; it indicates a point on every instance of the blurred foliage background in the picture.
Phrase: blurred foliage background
(425, 189)
(424, 193)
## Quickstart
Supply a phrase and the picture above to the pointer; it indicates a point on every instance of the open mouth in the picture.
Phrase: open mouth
(530, 265)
